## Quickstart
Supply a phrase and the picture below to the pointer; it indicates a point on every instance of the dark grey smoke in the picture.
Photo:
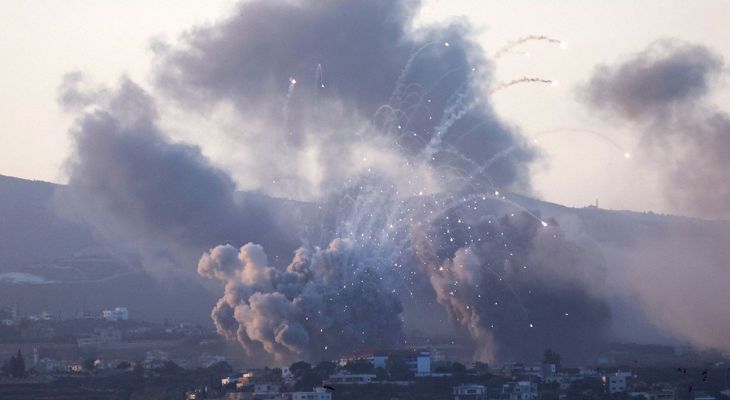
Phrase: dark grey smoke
(373, 98)
(128, 177)
(666, 74)
(327, 302)
(662, 91)
(513, 285)
(348, 59)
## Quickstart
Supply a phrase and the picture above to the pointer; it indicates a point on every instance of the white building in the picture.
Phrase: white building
(117, 314)
(264, 390)
(616, 382)
(318, 394)
(522, 390)
(345, 378)
(470, 392)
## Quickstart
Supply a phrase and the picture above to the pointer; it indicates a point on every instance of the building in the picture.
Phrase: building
(616, 382)
(470, 392)
(117, 314)
(345, 378)
(318, 393)
(522, 390)
(75, 367)
(418, 361)
(254, 376)
(266, 391)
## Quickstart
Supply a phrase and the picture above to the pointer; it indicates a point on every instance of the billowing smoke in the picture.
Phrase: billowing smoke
(674, 272)
(327, 301)
(662, 90)
(388, 130)
(134, 184)
(334, 99)
(370, 92)
(514, 285)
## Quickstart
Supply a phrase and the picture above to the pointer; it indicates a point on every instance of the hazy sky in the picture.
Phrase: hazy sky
(42, 40)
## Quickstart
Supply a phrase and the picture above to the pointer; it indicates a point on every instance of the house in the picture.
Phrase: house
(616, 382)
(117, 314)
(318, 393)
(266, 391)
(470, 392)
(522, 390)
(345, 378)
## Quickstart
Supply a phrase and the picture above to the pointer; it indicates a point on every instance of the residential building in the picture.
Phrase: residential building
(522, 390)
(345, 378)
(616, 382)
(318, 393)
(470, 392)
(117, 314)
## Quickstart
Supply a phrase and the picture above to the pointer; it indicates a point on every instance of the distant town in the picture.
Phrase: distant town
(107, 354)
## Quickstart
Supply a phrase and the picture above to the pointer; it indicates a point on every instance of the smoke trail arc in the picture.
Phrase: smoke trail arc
(515, 43)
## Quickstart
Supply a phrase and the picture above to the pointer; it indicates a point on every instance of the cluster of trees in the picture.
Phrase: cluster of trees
(308, 376)
(15, 366)
(395, 369)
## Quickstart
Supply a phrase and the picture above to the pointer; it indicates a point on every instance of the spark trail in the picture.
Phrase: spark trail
(459, 108)
(289, 94)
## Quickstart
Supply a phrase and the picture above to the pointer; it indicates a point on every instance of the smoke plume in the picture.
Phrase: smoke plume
(662, 91)
(370, 91)
(388, 133)
(514, 285)
(133, 183)
(327, 301)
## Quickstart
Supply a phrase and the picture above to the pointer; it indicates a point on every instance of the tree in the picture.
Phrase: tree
(15, 367)
(481, 367)
(89, 364)
(124, 365)
(381, 374)
(325, 368)
(459, 369)
(222, 367)
(170, 367)
(551, 357)
(359, 366)
(397, 368)
(299, 368)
